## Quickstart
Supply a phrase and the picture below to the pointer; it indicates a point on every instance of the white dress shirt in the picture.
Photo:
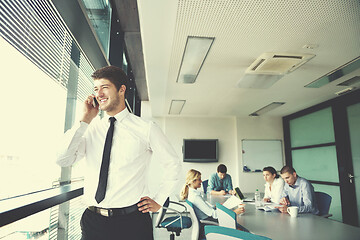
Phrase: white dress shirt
(134, 142)
(205, 210)
(276, 190)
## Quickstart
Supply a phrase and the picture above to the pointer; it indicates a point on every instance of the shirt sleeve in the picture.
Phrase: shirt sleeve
(284, 192)
(212, 182)
(277, 190)
(204, 207)
(308, 199)
(72, 147)
(267, 191)
(169, 161)
(229, 185)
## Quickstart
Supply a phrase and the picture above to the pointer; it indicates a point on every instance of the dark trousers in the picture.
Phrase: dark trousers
(134, 226)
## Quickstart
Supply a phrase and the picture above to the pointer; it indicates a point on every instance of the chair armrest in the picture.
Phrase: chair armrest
(176, 211)
(178, 215)
(185, 209)
(207, 222)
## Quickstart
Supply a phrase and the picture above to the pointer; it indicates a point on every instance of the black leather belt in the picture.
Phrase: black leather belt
(109, 212)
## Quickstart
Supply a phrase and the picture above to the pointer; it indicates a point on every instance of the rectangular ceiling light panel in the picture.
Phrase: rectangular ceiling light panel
(354, 82)
(196, 50)
(336, 74)
(176, 107)
(267, 108)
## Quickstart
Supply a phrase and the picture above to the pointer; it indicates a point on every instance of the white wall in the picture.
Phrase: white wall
(255, 128)
(230, 131)
(223, 129)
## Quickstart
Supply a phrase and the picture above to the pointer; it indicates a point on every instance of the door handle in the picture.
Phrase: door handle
(351, 177)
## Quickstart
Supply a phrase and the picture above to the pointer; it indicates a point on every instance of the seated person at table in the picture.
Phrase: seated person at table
(203, 210)
(220, 183)
(297, 192)
(274, 185)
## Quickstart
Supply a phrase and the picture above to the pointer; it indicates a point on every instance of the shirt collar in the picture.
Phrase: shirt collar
(119, 116)
(297, 183)
(194, 191)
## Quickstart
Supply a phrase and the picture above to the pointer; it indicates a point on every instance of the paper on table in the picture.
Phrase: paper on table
(269, 207)
(232, 202)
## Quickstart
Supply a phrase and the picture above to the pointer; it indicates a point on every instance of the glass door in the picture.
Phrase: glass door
(353, 114)
(323, 144)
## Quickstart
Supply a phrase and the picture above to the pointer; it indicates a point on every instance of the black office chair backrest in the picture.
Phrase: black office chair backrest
(205, 185)
(323, 201)
(162, 212)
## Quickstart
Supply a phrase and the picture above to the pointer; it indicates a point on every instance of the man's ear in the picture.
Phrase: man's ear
(295, 175)
(122, 88)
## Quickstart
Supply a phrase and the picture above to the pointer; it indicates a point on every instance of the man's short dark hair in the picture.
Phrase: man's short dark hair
(114, 74)
(221, 168)
(287, 169)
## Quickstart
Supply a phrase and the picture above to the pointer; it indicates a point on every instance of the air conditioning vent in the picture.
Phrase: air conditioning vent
(277, 63)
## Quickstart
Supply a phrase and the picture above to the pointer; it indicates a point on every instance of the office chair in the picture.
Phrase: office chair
(205, 184)
(173, 224)
(226, 217)
(196, 223)
(224, 233)
(323, 201)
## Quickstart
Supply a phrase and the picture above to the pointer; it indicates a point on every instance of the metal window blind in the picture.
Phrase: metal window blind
(35, 29)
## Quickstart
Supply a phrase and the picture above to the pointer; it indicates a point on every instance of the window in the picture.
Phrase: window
(44, 75)
(99, 13)
(33, 119)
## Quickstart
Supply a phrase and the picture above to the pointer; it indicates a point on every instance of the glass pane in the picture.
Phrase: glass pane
(44, 225)
(31, 123)
(311, 129)
(99, 13)
(35, 226)
(316, 163)
(125, 64)
(354, 128)
(334, 192)
(75, 208)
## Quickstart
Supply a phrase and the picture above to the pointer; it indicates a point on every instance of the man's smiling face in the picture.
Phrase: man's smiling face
(108, 96)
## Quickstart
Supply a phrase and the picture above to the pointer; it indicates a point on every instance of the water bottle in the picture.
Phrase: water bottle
(257, 198)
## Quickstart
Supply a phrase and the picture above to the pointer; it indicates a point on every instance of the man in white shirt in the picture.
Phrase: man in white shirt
(115, 190)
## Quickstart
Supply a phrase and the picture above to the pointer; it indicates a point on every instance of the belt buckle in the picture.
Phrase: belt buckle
(105, 212)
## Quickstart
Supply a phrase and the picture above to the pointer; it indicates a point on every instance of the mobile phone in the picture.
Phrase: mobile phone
(95, 102)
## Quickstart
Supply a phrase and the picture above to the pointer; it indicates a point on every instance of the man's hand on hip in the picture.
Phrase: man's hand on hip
(146, 204)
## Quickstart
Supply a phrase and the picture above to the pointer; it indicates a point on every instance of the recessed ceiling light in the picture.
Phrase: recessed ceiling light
(176, 106)
(267, 108)
(196, 50)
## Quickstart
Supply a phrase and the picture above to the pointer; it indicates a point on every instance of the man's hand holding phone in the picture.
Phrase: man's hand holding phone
(91, 109)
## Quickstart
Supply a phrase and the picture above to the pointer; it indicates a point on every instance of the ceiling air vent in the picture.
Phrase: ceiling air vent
(277, 63)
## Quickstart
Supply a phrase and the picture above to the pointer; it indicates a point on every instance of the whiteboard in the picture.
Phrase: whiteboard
(257, 154)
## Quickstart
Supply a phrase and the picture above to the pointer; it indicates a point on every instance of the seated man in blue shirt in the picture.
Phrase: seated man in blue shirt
(297, 192)
(220, 183)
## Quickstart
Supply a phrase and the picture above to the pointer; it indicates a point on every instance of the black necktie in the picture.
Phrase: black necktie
(101, 189)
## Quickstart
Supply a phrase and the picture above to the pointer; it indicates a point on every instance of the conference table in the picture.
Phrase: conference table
(279, 226)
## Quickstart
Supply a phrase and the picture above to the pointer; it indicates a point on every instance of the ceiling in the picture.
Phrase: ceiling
(243, 30)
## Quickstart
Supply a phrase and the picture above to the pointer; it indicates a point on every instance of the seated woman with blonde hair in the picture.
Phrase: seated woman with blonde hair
(203, 210)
